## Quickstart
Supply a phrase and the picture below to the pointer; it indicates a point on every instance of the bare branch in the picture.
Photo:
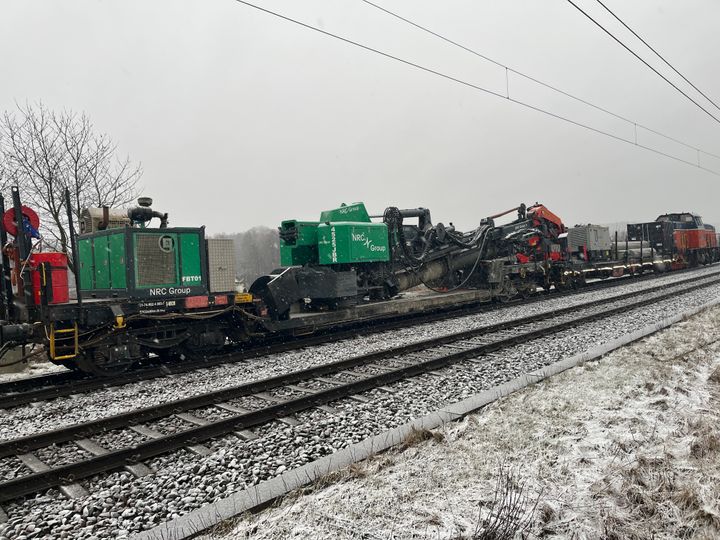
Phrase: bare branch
(45, 152)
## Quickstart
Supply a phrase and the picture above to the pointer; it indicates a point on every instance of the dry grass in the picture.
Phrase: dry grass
(659, 493)
(417, 436)
(512, 511)
(715, 376)
(224, 527)
(705, 444)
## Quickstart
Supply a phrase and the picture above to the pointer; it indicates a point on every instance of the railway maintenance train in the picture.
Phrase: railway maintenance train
(145, 292)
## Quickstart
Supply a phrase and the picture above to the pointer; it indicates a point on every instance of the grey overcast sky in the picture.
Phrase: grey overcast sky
(242, 119)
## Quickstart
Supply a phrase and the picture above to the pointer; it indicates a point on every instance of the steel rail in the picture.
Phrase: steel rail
(146, 414)
(60, 435)
(35, 482)
(44, 387)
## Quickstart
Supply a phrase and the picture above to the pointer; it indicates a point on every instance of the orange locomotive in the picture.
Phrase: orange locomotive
(693, 242)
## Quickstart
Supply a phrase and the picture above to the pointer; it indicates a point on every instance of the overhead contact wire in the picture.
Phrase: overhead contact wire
(703, 94)
(535, 80)
(663, 77)
(474, 86)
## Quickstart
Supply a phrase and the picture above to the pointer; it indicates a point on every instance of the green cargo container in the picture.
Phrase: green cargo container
(298, 242)
(102, 261)
(138, 262)
(343, 242)
(118, 261)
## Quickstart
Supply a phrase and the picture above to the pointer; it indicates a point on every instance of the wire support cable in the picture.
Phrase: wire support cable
(636, 55)
(537, 81)
(634, 33)
(483, 89)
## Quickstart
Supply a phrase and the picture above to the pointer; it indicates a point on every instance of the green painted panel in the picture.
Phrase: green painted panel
(369, 242)
(298, 242)
(191, 271)
(102, 263)
(86, 264)
(355, 212)
(118, 261)
(341, 243)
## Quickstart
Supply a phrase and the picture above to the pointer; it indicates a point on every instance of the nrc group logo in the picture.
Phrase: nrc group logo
(361, 238)
(166, 243)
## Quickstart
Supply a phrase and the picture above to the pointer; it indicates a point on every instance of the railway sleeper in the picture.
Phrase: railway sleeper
(244, 434)
(198, 449)
(289, 420)
(138, 469)
(32, 462)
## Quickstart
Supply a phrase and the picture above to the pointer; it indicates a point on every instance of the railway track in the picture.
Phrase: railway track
(294, 392)
(44, 387)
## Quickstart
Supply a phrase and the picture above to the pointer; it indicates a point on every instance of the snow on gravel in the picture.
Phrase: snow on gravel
(35, 367)
(626, 447)
(119, 504)
(26, 420)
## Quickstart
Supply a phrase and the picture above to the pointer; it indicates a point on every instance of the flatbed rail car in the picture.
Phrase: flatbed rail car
(164, 291)
(339, 261)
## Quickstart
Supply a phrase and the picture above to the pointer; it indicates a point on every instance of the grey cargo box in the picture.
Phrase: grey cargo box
(593, 237)
(221, 264)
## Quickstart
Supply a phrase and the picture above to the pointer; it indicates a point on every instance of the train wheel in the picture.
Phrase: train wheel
(100, 364)
(563, 282)
(193, 353)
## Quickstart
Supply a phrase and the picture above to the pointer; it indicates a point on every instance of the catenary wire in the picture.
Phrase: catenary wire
(537, 81)
(663, 77)
(471, 85)
(703, 94)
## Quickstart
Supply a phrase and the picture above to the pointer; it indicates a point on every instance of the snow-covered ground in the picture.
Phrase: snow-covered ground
(626, 447)
(32, 368)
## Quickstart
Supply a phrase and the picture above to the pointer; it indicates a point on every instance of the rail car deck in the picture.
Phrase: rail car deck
(415, 301)
(422, 300)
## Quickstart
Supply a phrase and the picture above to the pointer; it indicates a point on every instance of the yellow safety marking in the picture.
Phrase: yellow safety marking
(119, 322)
(243, 298)
(76, 342)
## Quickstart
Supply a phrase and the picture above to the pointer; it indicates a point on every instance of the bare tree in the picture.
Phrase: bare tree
(45, 152)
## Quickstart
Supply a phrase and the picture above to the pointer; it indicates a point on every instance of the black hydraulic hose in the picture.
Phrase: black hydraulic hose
(481, 251)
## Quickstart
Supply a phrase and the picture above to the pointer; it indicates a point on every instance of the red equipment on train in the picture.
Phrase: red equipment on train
(48, 271)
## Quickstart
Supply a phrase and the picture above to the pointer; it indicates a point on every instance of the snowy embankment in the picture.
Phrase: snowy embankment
(625, 447)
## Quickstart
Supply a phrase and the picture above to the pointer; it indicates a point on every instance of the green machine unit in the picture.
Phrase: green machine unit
(298, 242)
(349, 243)
(337, 260)
(344, 235)
(142, 263)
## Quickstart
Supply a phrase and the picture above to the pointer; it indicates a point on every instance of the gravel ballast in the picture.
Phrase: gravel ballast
(625, 447)
(184, 481)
